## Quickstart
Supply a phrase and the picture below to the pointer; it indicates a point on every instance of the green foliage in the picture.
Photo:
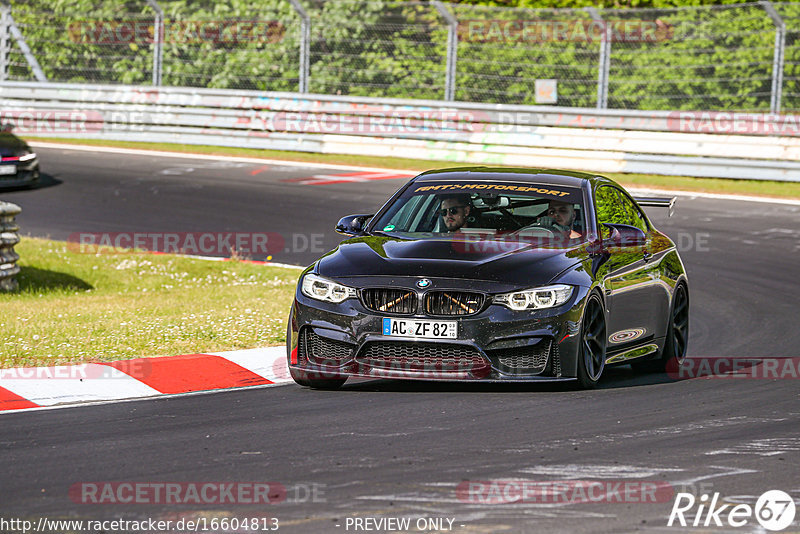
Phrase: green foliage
(75, 306)
(705, 59)
(613, 4)
(392, 49)
(708, 58)
(243, 44)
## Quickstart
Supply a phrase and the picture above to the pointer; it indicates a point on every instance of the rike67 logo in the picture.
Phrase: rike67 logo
(774, 511)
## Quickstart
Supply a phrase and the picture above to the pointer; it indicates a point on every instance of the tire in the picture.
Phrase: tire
(677, 337)
(592, 348)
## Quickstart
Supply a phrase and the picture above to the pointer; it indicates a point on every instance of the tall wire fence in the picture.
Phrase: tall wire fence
(735, 57)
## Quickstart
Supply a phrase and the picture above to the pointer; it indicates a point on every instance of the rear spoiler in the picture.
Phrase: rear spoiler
(657, 202)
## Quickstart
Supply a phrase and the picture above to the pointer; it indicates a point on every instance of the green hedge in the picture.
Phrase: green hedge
(706, 58)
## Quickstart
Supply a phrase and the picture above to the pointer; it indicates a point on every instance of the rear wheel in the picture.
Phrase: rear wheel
(592, 350)
(677, 337)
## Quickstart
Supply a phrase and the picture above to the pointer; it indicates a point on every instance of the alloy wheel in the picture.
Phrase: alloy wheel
(593, 340)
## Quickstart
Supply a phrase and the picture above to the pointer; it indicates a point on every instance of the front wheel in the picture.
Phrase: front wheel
(592, 350)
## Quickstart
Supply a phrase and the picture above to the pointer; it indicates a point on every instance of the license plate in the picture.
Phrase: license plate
(8, 169)
(421, 329)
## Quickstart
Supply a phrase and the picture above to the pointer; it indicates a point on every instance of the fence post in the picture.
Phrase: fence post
(305, 45)
(777, 57)
(5, 42)
(9, 236)
(452, 49)
(605, 59)
(26, 50)
(158, 42)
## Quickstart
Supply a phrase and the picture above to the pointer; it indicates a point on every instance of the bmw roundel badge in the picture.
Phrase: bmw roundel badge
(422, 283)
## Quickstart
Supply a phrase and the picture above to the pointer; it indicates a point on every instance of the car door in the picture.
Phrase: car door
(629, 284)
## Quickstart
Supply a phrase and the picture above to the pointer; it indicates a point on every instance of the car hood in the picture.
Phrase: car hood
(11, 145)
(499, 261)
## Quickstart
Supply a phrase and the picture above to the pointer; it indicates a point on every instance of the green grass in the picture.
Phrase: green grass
(706, 185)
(75, 307)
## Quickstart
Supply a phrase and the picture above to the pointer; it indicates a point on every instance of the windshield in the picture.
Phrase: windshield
(493, 210)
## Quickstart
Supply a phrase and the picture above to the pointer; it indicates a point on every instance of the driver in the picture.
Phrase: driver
(560, 216)
(455, 210)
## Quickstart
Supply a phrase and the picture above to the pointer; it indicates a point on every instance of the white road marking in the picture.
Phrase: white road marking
(140, 399)
(310, 165)
(92, 382)
(167, 154)
(762, 447)
(67, 386)
(578, 471)
(726, 472)
(719, 196)
(267, 362)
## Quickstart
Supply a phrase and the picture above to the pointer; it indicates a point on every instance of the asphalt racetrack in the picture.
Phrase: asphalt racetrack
(394, 449)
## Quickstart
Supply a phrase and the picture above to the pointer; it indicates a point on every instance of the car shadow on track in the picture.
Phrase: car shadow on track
(617, 377)
(45, 181)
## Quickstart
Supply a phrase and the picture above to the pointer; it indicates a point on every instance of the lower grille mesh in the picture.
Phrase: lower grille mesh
(415, 356)
(320, 349)
(530, 358)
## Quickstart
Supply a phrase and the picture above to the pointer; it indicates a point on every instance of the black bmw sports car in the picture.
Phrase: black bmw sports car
(18, 163)
(493, 275)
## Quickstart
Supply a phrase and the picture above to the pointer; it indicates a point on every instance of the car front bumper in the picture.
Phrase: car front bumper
(327, 340)
(26, 173)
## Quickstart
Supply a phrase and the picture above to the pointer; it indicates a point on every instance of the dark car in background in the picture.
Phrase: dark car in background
(550, 275)
(19, 165)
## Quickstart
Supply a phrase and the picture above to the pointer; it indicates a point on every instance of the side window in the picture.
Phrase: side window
(609, 209)
(632, 213)
(615, 207)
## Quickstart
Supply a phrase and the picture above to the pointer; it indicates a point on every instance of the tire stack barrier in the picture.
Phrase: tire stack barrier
(9, 236)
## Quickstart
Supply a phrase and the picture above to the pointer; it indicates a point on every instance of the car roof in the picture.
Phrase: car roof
(511, 174)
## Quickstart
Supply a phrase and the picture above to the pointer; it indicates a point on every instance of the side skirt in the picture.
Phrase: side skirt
(631, 354)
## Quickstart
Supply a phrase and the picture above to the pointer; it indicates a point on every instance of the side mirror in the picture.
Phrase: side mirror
(353, 225)
(623, 235)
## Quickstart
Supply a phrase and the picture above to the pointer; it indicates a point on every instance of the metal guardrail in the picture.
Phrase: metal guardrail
(716, 56)
(656, 142)
(9, 237)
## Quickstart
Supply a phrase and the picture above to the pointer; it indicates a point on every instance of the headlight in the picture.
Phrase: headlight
(320, 288)
(27, 156)
(536, 299)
